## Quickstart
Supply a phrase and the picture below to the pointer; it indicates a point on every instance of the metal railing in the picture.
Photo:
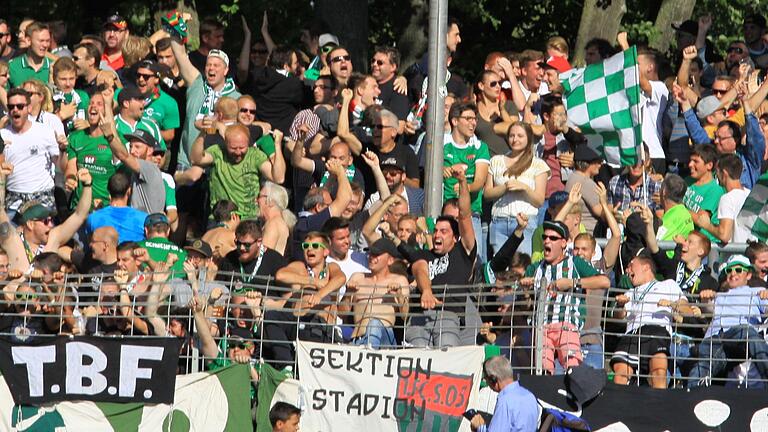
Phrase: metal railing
(506, 315)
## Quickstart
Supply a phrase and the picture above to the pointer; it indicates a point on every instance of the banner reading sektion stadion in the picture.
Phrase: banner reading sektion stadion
(353, 388)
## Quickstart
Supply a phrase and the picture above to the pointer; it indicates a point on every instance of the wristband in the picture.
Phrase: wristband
(87, 184)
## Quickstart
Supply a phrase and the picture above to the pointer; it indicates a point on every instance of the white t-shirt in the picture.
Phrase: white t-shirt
(348, 267)
(729, 208)
(49, 120)
(512, 203)
(31, 154)
(653, 108)
(643, 306)
(543, 90)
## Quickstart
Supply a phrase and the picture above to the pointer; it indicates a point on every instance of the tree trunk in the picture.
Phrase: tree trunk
(599, 19)
(348, 19)
(671, 11)
(413, 42)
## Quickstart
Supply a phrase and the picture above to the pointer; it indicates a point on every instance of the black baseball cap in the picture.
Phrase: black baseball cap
(151, 65)
(200, 247)
(115, 21)
(145, 137)
(585, 153)
(382, 246)
(393, 161)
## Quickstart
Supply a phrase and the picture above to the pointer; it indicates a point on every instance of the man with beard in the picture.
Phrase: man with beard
(158, 105)
(644, 348)
(251, 262)
(451, 261)
(384, 69)
(115, 32)
(629, 187)
(394, 169)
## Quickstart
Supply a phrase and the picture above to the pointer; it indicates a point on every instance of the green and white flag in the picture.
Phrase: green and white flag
(754, 213)
(603, 100)
(206, 401)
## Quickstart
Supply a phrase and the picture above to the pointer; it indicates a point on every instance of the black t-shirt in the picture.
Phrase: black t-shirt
(21, 331)
(454, 268)
(271, 262)
(85, 264)
(256, 132)
(394, 101)
(402, 152)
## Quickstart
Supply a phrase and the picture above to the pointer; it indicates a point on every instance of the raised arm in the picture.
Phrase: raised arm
(9, 240)
(342, 129)
(277, 166)
(271, 45)
(197, 155)
(343, 192)
(207, 345)
(574, 197)
(611, 250)
(188, 71)
(244, 61)
(683, 74)
(62, 233)
(298, 160)
(372, 161)
(373, 221)
(466, 230)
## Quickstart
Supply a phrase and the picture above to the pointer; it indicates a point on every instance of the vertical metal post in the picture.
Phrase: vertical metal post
(436, 91)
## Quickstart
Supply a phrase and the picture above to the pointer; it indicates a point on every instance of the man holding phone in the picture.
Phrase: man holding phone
(516, 407)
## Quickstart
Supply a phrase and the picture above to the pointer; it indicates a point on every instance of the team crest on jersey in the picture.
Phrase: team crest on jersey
(101, 147)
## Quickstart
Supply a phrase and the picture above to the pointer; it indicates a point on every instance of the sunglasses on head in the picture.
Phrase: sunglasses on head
(341, 58)
(312, 245)
(19, 107)
(550, 238)
(248, 110)
(737, 270)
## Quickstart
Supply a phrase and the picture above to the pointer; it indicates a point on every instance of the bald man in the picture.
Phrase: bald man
(102, 259)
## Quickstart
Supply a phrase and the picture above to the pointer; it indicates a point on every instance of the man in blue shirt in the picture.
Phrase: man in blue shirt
(516, 408)
(128, 221)
(733, 331)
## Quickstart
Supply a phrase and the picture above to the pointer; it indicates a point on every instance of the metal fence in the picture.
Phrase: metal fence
(511, 318)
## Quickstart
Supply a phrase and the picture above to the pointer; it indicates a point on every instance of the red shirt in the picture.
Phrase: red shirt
(116, 64)
(549, 155)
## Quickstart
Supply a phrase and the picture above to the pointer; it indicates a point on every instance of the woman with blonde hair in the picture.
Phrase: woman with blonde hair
(516, 183)
(277, 220)
(41, 107)
(135, 49)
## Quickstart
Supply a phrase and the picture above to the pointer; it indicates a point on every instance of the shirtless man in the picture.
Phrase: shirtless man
(313, 282)
(376, 295)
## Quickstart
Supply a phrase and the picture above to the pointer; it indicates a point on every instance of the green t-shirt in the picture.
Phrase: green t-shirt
(82, 100)
(676, 221)
(159, 248)
(162, 109)
(266, 144)
(95, 155)
(170, 191)
(470, 154)
(123, 128)
(19, 71)
(236, 182)
(704, 197)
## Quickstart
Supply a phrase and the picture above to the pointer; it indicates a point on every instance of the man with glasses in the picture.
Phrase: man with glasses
(737, 314)
(251, 262)
(737, 53)
(462, 150)
(564, 278)
(34, 63)
(115, 31)
(131, 117)
(6, 50)
(34, 154)
(340, 64)
(158, 105)
(394, 168)
(314, 283)
(384, 69)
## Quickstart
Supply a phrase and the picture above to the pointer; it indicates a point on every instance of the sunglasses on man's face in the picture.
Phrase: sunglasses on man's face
(244, 245)
(377, 62)
(146, 77)
(341, 58)
(550, 238)
(248, 110)
(26, 295)
(312, 245)
(19, 107)
(245, 345)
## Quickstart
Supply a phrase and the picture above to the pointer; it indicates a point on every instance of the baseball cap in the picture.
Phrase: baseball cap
(220, 55)
(156, 218)
(36, 212)
(707, 106)
(558, 227)
(558, 63)
(201, 247)
(688, 26)
(115, 21)
(145, 137)
(327, 39)
(585, 153)
(382, 246)
(129, 93)
(393, 161)
(557, 199)
(737, 260)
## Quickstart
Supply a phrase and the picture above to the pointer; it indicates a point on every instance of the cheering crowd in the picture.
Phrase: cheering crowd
(282, 188)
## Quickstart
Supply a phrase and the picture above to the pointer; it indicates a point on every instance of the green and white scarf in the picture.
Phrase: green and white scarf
(212, 96)
(350, 175)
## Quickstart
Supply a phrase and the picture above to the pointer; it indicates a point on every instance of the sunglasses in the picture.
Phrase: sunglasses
(737, 270)
(550, 238)
(717, 91)
(377, 62)
(493, 84)
(381, 126)
(248, 110)
(242, 345)
(47, 221)
(312, 245)
(245, 245)
(341, 58)
(145, 76)
(327, 49)
(19, 107)
(4, 34)
(737, 50)
(26, 296)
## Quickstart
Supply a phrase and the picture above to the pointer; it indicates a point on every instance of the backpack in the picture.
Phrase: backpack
(553, 420)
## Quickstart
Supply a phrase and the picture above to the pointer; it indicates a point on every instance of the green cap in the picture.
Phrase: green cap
(36, 212)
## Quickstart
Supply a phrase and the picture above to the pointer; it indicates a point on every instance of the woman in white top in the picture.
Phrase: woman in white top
(516, 184)
(41, 107)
